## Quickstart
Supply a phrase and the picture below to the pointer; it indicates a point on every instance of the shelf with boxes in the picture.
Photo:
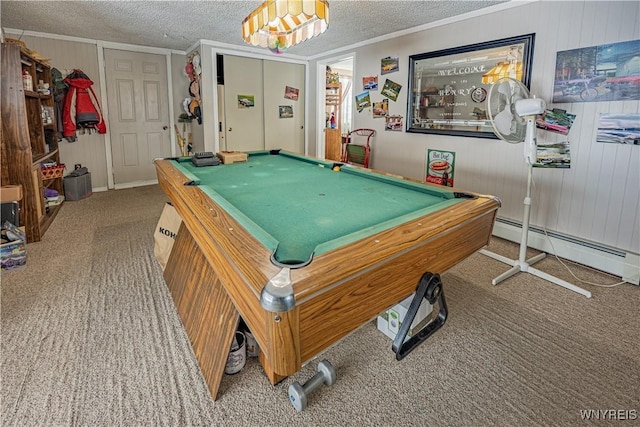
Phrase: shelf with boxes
(30, 153)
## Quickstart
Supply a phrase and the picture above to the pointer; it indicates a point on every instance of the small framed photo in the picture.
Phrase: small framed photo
(291, 93)
(285, 111)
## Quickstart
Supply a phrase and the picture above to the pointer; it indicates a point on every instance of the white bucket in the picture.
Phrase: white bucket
(237, 356)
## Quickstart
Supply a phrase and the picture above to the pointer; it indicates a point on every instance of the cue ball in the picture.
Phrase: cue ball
(336, 168)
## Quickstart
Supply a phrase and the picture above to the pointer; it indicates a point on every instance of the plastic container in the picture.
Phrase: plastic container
(27, 81)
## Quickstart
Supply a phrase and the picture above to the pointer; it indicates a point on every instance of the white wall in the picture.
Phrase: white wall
(88, 150)
(67, 53)
(180, 89)
(598, 198)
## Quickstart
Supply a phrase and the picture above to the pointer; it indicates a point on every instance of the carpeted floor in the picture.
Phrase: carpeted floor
(90, 337)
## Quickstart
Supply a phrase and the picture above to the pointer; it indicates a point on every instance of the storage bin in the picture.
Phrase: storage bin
(77, 187)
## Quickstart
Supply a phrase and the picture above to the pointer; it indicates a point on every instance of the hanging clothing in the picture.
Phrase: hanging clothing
(81, 107)
(59, 93)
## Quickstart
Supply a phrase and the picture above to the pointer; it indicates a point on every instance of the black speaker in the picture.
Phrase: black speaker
(11, 213)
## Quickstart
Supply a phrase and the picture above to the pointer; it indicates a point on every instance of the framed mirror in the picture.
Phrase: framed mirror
(448, 88)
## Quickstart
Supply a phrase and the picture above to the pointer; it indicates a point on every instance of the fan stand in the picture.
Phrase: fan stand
(522, 264)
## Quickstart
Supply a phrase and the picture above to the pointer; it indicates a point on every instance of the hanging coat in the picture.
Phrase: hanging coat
(81, 107)
(59, 93)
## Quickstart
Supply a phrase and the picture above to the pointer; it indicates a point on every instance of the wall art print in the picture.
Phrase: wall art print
(608, 72)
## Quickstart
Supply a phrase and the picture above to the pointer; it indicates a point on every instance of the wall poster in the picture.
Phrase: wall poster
(285, 111)
(370, 83)
(389, 64)
(363, 100)
(448, 88)
(393, 123)
(440, 167)
(246, 101)
(608, 72)
(619, 128)
(554, 155)
(291, 93)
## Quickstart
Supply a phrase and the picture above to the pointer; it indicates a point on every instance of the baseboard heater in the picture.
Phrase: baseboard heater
(605, 258)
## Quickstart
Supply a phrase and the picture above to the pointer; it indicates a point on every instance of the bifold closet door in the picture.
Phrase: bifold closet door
(284, 116)
(243, 103)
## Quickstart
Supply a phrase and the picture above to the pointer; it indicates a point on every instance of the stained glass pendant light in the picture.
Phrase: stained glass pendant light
(280, 24)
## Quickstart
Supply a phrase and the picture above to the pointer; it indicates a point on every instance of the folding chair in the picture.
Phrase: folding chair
(355, 153)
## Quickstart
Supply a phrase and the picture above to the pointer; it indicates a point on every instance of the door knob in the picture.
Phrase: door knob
(230, 129)
(165, 127)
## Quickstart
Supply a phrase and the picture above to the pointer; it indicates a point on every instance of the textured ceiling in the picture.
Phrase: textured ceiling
(179, 24)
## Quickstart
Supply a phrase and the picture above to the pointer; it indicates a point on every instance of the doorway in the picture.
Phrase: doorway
(344, 67)
(139, 121)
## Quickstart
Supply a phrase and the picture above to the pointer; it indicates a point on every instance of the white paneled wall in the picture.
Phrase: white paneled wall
(597, 199)
(88, 150)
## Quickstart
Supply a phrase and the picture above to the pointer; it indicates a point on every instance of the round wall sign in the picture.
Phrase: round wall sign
(479, 94)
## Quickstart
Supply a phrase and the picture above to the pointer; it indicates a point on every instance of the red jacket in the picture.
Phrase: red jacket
(81, 108)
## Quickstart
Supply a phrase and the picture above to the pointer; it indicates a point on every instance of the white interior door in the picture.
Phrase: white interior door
(243, 103)
(138, 114)
(284, 116)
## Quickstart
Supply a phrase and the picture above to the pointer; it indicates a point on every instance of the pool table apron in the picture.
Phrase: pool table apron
(217, 271)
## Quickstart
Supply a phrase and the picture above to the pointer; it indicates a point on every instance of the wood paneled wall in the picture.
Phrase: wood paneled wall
(598, 199)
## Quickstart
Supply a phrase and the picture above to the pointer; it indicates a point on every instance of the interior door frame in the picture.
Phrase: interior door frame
(102, 45)
(321, 91)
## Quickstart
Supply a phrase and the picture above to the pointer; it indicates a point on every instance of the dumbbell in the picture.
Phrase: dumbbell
(298, 393)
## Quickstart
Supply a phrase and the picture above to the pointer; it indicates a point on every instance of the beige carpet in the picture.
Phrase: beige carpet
(90, 337)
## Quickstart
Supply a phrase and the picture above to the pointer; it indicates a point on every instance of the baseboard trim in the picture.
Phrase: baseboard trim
(135, 184)
(605, 258)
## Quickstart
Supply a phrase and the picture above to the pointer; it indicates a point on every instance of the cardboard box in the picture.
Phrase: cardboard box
(10, 193)
(77, 187)
(389, 321)
(14, 254)
(228, 157)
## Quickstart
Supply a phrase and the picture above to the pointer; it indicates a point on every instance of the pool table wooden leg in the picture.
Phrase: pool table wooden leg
(273, 377)
(207, 313)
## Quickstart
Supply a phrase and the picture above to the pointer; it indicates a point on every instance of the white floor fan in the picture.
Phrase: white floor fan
(512, 112)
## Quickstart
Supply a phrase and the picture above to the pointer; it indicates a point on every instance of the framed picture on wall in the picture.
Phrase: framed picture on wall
(609, 72)
(448, 88)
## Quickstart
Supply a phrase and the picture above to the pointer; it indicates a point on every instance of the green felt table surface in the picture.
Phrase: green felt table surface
(298, 207)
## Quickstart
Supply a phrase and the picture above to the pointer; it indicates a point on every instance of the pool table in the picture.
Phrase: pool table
(304, 250)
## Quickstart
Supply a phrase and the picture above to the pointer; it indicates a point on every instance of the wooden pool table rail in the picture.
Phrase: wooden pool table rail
(374, 273)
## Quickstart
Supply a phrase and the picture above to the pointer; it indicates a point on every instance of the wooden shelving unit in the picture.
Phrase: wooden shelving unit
(332, 136)
(29, 137)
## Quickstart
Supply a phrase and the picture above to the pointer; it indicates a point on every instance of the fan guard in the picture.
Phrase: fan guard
(507, 125)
